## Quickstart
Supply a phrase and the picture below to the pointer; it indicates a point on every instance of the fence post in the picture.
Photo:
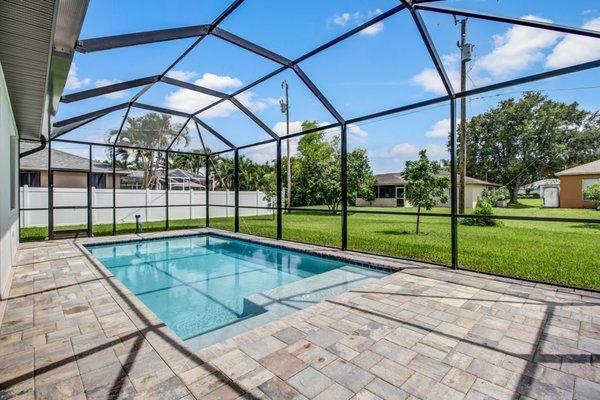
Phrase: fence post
(25, 198)
(191, 202)
(93, 204)
(227, 203)
(146, 203)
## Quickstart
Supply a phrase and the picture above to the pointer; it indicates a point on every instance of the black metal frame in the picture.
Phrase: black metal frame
(414, 7)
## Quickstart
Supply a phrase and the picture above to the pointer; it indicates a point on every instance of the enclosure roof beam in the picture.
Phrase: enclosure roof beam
(517, 21)
(90, 115)
(214, 133)
(231, 8)
(253, 117)
(179, 133)
(351, 32)
(200, 136)
(435, 57)
(59, 131)
(531, 78)
(134, 39)
(196, 88)
(103, 90)
(252, 47)
(313, 88)
(161, 110)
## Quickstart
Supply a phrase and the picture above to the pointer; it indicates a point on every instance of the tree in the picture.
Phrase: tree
(521, 141)
(316, 170)
(592, 193)
(424, 185)
(150, 131)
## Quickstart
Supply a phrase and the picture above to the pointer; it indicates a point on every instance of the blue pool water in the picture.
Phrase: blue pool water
(207, 288)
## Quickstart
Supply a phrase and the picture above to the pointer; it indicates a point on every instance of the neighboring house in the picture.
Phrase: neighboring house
(574, 180)
(390, 188)
(179, 179)
(547, 189)
(538, 187)
(70, 170)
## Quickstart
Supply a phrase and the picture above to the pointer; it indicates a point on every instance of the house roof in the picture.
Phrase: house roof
(592, 168)
(61, 160)
(542, 182)
(396, 178)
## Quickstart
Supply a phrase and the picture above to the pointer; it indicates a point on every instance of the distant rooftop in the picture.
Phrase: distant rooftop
(397, 178)
(585, 169)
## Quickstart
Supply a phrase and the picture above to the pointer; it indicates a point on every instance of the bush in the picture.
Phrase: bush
(592, 193)
(483, 207)
(493, 196)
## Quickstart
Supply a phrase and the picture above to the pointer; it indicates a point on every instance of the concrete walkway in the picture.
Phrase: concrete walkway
(71, 330)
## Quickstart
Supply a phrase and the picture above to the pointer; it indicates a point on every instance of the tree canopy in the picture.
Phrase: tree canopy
(532, 138)
(316, 171)
(152, 131)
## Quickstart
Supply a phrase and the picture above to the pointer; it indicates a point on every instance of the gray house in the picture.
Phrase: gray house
(390, 188)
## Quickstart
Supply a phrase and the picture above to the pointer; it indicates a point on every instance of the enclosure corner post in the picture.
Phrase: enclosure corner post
(344, 181)
(167, 190)
(236, 190)
(278, 190)
(114, 190)
(50, 194)
(453, 188)
(89, 193)
(207, 191)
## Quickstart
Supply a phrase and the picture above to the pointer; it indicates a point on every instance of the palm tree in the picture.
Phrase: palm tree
(150, 131)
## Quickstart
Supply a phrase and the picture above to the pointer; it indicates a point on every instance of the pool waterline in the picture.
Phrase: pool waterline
(208, 287)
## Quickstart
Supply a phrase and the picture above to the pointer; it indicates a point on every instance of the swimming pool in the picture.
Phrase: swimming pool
(207, 288)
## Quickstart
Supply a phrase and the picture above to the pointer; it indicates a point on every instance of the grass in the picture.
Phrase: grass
(560, 252)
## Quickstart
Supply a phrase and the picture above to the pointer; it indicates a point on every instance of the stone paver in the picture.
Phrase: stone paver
(69, 329)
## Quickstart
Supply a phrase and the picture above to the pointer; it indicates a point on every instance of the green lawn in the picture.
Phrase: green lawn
(561, 252)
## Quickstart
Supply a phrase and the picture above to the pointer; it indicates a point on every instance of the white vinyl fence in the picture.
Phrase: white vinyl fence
(183, 204)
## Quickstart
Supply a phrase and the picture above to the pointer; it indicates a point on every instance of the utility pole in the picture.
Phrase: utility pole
(285, 109)
(466, 50)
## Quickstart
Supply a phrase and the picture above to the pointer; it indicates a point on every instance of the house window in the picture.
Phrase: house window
(587, 183)
(387, 192)
(99, 181)
(31, 179)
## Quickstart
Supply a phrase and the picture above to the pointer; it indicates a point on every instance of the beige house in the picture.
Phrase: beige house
(574, 180)
(70, 170)
(390, 188)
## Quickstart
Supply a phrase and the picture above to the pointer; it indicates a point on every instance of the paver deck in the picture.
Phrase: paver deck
(71, 330)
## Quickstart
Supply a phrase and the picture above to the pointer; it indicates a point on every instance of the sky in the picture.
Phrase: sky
(382, 67)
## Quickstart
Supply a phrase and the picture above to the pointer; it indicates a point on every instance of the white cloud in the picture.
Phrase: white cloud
(357, 132)
(181, 75)
(73, 80)
(262, 154)
(441, 129)
(190, 101)
(280, 129)
(341, 19)
(372, 30)
(436, 150)
(218, 82)
(575, 49)
(114, 95)
(516, 50)
(403, 150)
(358, 18)
(430, 80)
